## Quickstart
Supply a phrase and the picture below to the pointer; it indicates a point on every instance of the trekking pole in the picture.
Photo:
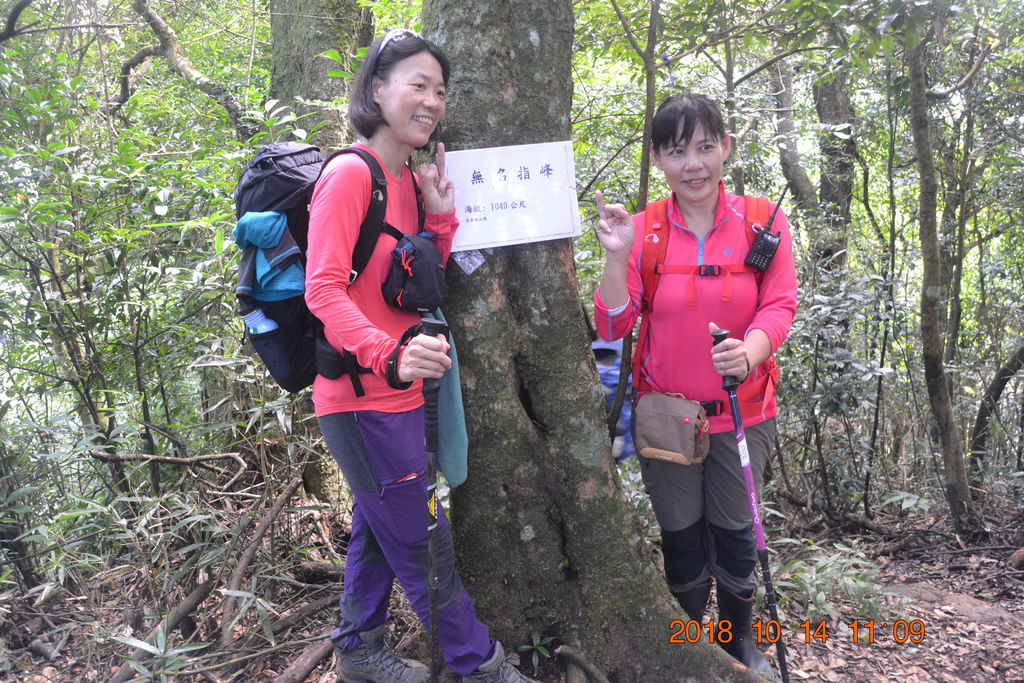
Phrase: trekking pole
(729, 384)
(431, 389)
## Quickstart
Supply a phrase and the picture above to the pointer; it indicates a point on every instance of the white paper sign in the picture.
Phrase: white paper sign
(512, 195)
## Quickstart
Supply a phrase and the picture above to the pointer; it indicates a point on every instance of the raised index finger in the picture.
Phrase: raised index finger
(440, 160)
(599, 198)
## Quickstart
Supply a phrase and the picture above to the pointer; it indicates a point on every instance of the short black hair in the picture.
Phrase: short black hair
(363, 113)
(689, 110)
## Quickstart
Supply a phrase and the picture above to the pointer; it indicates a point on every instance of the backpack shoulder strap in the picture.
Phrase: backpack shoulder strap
(655, 246)
(373, 222)
(756, 213)
(652, 254)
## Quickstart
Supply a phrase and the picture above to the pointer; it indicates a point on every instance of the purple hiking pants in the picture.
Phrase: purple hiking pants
(383, 458)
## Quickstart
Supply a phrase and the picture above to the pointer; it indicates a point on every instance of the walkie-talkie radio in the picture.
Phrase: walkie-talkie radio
(766, 243)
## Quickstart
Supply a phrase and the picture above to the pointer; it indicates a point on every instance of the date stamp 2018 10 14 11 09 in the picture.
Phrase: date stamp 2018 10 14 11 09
(866, 632)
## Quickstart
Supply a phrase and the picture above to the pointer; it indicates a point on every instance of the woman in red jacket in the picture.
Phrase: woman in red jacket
(702, 508)
(377, 436)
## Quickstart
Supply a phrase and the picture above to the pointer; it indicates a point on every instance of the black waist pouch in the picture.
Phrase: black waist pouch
(416, 281)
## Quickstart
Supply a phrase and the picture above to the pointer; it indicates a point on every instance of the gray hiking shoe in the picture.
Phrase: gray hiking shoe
(375, 662)
(497, 669)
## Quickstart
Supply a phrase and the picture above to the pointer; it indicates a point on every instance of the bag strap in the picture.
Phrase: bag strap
(374, 222)
(653, 250)
(756, 214)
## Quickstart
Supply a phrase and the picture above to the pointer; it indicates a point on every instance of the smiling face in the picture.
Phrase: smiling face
(411, 100)
(693, 167)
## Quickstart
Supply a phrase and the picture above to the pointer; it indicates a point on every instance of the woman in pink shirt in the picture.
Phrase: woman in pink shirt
(702, 508)
(377, 434)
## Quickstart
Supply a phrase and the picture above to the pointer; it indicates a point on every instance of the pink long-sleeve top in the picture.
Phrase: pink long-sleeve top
(677, 354)
(356, 317)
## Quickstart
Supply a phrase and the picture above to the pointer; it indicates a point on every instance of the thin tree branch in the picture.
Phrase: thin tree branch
(600, 171)
(10, 30)
(170, 49)
(68, 27)
(934, 94)
(644, 54)
(190, 460)
(126, 79)
(773, 60)
(258, 640)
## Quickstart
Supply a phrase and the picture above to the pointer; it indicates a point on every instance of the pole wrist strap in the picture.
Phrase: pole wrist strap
(391, 367)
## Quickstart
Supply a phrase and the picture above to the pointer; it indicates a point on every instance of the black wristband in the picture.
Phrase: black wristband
(391, 372)
(391, 367)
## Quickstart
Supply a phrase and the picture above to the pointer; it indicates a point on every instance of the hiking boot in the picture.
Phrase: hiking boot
(738, 609)
(695, 600)
(497, 669)
(375, 662)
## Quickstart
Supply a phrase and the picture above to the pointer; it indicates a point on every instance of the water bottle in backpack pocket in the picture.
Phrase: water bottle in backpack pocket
(289, 349)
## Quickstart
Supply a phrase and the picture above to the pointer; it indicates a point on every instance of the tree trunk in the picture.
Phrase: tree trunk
(979, 435)
(545, 539)
(837, 167)
(933, 295)
(792, 168)
(302, 31)
(959, 185)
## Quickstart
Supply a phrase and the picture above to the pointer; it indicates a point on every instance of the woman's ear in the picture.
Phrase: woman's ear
(726, 145)
(375, 86)
(656, 158)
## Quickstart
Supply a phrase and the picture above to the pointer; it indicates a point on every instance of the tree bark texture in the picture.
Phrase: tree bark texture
(792, 167)
(989, 402)
(545, 539)
(302, 31)
(933, 294)
(837, 166)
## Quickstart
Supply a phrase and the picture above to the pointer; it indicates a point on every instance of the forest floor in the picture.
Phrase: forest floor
(964, 606)
(968, 605)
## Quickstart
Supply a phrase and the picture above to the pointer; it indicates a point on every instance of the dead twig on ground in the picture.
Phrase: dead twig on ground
(227, 615)
(167, 625)
(307, 661)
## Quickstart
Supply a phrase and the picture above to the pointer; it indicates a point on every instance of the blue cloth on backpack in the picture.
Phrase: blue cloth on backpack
(278, 272)
(452, 440)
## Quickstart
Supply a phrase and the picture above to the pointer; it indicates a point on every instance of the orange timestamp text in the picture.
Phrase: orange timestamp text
(860, 632)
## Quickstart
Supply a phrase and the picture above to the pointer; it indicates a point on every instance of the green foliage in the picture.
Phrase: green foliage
(392, 14)
(908, 501)
(820, 580)
(539, 646)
